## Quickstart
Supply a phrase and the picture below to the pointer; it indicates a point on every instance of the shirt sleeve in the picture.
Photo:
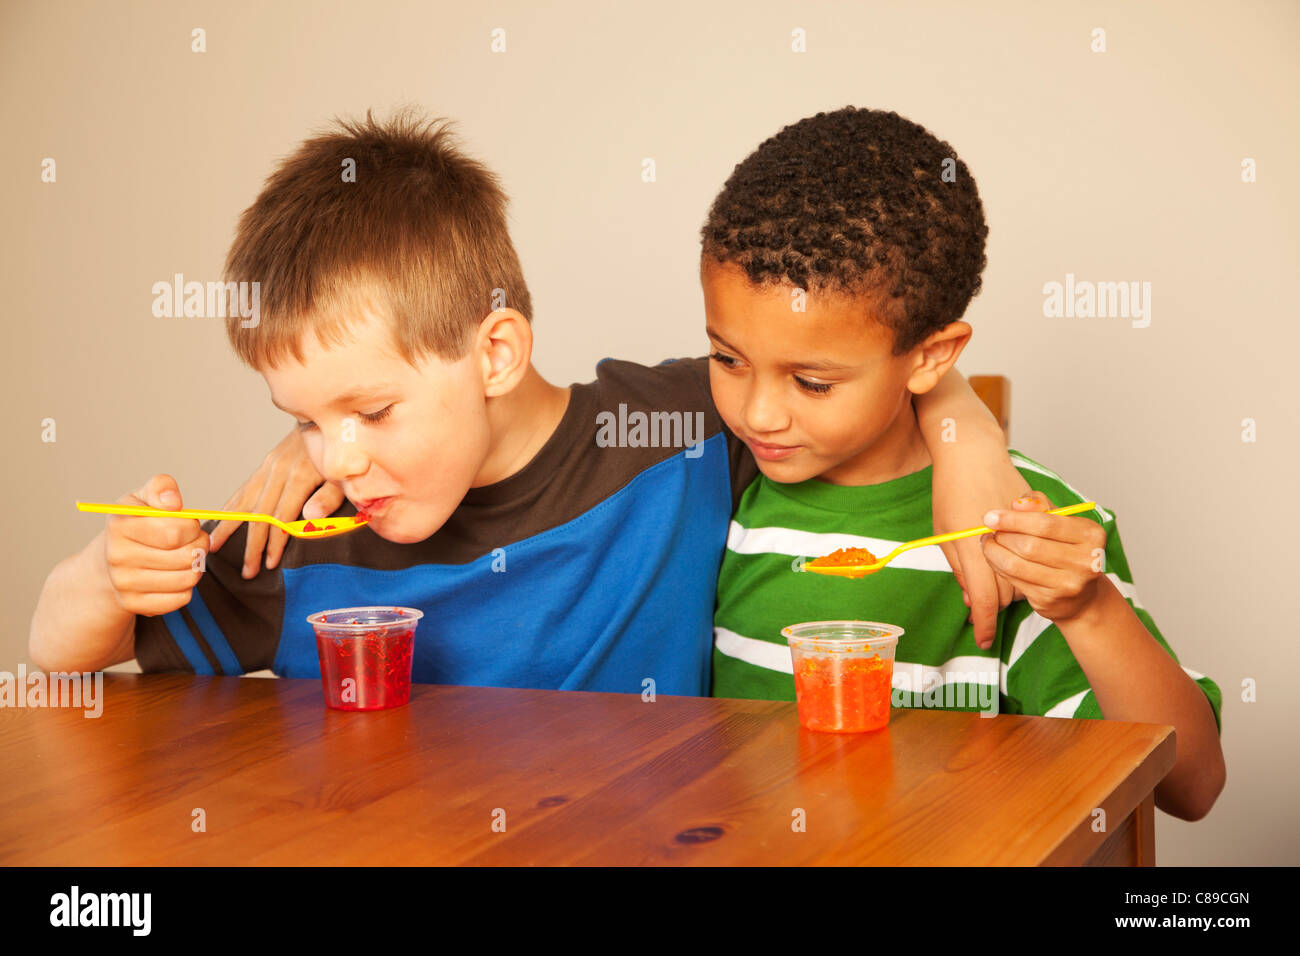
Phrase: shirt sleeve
(1040, 675)
(230, 626)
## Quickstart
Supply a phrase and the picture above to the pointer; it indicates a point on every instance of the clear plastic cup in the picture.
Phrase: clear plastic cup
(366, 655)
(842, 673)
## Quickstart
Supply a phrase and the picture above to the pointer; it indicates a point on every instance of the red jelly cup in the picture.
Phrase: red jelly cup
(843, 671)
(366, 655)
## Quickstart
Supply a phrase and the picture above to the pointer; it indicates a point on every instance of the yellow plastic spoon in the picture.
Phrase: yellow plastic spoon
(862, 570)
(321, 527)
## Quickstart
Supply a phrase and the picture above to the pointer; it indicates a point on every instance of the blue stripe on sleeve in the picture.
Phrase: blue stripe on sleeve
(180, 633)
(212, 634)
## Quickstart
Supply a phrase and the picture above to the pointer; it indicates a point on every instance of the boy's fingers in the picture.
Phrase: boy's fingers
(981, 589)
(158, 492)
(254, 546)
(1041, 552)
(1033, 501)
(286, 509)
(1006, 592)
(322, 504)
(326, 500)
(258, 530)
(161, 492)
(1040, 525)
(949, 549)
(166, 493)
(224, 529)
(984, 618)
(127, 552)
(144, 581)
(1018, 569)
(222, 532)
(275, 543)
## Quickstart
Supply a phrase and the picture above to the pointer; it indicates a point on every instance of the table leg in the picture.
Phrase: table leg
(1133, 843)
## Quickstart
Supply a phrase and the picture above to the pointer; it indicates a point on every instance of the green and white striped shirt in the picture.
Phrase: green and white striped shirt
(1029, 669)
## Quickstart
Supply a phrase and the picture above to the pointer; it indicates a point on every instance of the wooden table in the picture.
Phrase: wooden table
(575, 778)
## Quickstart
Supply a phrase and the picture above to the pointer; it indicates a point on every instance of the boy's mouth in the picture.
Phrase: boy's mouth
(373, 505)
(771, 452)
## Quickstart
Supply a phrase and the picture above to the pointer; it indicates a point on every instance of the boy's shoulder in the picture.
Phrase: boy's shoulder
(680, 384)
(647, 404)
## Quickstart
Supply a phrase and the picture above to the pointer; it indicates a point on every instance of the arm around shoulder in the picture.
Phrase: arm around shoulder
(972, 473)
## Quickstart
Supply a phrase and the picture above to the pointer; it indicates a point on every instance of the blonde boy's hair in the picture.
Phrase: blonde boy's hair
(388, 215)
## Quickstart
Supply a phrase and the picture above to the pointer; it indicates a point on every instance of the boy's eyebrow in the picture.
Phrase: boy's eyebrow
(820, 365)
(345, 399)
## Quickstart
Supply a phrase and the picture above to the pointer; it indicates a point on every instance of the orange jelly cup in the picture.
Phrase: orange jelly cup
(843, 671)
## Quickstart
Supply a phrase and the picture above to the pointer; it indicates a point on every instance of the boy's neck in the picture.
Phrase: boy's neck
(899, 451)
(521, 422)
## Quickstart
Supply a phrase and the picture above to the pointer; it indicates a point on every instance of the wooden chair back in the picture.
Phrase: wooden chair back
(995, 392)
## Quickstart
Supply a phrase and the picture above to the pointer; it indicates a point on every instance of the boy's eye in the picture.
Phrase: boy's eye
(373, 417)
(820, 387)
(726, 361)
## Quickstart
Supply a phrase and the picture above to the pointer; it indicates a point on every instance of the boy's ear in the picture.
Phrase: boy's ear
(504, 344)
(936, 355)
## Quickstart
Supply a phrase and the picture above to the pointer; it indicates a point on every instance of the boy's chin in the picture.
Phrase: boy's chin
(788, 472)
(398, 535)
(409, 528)
(399, 532)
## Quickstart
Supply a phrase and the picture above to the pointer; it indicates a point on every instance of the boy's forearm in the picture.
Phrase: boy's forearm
(1136, 679)
(78, 624)
(951, 410)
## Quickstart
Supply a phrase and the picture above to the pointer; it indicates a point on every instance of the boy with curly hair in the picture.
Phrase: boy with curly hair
(837, 263)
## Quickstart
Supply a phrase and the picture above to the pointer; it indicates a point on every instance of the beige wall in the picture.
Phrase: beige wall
(1123, 165)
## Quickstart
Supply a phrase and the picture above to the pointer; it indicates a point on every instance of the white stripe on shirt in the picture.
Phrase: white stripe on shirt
(917, 678)
(1035, 624)
(774, 657)
(1067, 707)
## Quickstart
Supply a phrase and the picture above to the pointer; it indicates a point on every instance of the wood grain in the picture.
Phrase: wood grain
(582, 778)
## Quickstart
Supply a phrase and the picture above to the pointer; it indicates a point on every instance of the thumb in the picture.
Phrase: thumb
(327, 499)
(162, 492)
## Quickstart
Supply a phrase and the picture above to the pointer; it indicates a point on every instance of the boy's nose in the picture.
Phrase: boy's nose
(343, 460)
(764, 413)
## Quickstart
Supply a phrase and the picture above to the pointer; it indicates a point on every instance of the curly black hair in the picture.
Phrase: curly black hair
(857, 202)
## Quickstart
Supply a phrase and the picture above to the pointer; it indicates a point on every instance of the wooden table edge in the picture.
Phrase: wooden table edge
(1129, 814)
